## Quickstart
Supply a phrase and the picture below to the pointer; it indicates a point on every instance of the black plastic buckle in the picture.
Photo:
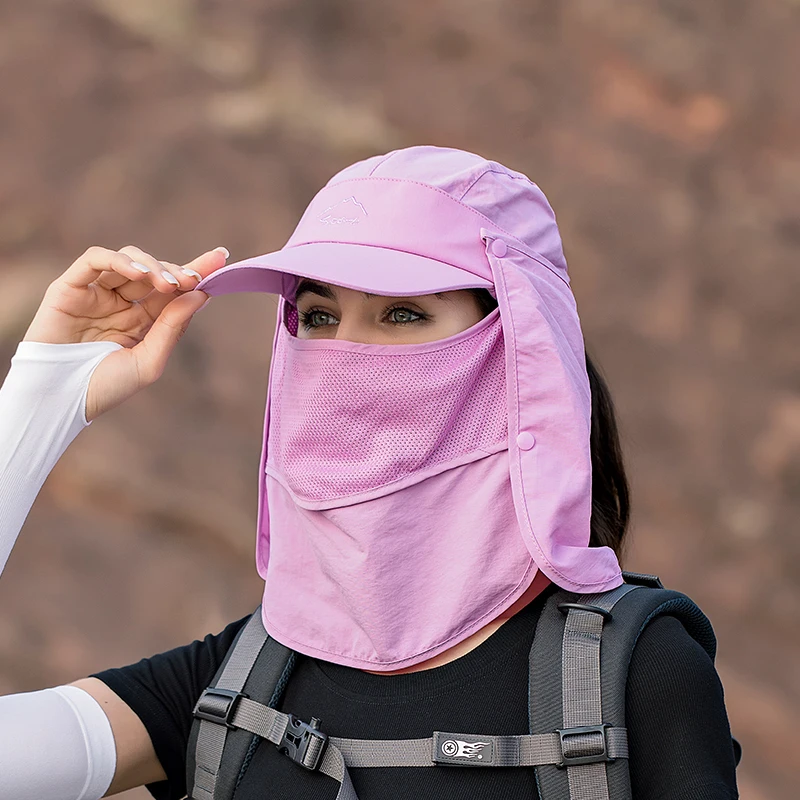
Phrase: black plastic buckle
(218, 705)
(595, 758)
(304, 742)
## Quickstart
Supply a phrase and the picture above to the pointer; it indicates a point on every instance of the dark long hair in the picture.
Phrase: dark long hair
(610, 489)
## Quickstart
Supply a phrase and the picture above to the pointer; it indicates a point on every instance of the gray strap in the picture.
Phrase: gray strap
(271, 725)
(211, 736)
(581, 696)
(442, 748)
(494, 751)
(333, 765)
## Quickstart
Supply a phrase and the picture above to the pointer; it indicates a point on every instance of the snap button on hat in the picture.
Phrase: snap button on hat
(525, 441)
(499, 248)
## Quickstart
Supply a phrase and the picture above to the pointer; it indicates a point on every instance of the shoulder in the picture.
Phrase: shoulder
(187, 668)
(678, 731)
(163, 688)
(162, 691)
(667, 660)
(671, 675)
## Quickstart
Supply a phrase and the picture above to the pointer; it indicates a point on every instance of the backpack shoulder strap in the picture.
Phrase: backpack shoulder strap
(578, 688)
(256, 666)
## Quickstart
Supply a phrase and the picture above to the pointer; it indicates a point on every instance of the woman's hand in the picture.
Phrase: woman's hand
(130, 298)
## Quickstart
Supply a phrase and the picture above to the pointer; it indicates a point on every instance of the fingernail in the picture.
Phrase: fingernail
(140, 267)
(187, 271)
(170, 278)
(224, 251)
(204, 305)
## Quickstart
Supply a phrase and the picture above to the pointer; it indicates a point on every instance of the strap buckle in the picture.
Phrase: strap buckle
(303, 742)
(218, 705)
(582, 750)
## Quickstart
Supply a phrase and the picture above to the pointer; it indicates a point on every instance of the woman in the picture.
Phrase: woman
(437, 459)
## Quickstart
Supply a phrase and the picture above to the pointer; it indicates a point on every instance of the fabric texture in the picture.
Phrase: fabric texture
(357, 484)
(42, 410)
(55, 744)
(415, 221)
(678, 728)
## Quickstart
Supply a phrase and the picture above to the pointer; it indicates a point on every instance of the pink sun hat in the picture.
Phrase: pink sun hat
(427, 219)
(404, 223)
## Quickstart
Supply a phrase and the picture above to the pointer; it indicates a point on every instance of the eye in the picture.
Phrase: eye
(315, 318)
(400, 315)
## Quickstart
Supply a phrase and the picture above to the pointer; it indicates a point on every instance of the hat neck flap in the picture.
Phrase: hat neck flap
(549, 418)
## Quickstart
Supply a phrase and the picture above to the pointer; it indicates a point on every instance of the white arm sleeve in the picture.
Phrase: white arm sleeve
(42, 409)
(55, 744)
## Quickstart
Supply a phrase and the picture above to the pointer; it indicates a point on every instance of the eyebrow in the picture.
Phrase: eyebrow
(307, 286)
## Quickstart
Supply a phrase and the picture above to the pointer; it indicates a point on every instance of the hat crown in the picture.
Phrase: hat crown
(513, 202)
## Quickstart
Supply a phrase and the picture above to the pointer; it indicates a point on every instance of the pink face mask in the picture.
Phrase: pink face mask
(397, 515)
(389, 497)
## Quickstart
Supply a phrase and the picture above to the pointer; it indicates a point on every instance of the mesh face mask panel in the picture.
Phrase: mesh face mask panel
(291, 318)
(348, 418)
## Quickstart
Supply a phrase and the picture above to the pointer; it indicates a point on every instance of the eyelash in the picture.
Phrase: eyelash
(306, 316)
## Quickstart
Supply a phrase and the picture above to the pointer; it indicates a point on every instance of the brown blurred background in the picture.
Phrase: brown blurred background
(666, 134)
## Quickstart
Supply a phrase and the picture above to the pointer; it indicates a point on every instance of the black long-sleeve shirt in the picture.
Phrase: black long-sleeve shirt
(679, 737)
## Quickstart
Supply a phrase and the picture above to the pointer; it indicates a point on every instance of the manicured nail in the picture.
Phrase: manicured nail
(224, 251)
(140, 267)
(187, 271)
(170, 278)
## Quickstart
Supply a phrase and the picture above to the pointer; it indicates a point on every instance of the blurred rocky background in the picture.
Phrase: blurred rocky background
(667, 136)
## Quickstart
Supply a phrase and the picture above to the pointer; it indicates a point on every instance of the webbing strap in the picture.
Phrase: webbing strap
(496, 751)
(442, 748)
(211, 735)
(581, 695)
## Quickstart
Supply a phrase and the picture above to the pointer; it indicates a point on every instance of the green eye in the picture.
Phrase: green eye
(316, 319)
(402, 316)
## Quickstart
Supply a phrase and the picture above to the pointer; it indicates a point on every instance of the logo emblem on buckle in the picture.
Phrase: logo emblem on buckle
(456, 748)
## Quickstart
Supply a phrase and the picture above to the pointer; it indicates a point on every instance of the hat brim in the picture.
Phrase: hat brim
(377, 270)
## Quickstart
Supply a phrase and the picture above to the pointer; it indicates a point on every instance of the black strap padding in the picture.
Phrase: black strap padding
(265, 684)
(630, 615)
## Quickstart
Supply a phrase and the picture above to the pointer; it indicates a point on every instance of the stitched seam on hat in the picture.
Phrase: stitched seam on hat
(395, 250)
(490, 168)
(435, 189)
(379, 164)
(542, 261)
